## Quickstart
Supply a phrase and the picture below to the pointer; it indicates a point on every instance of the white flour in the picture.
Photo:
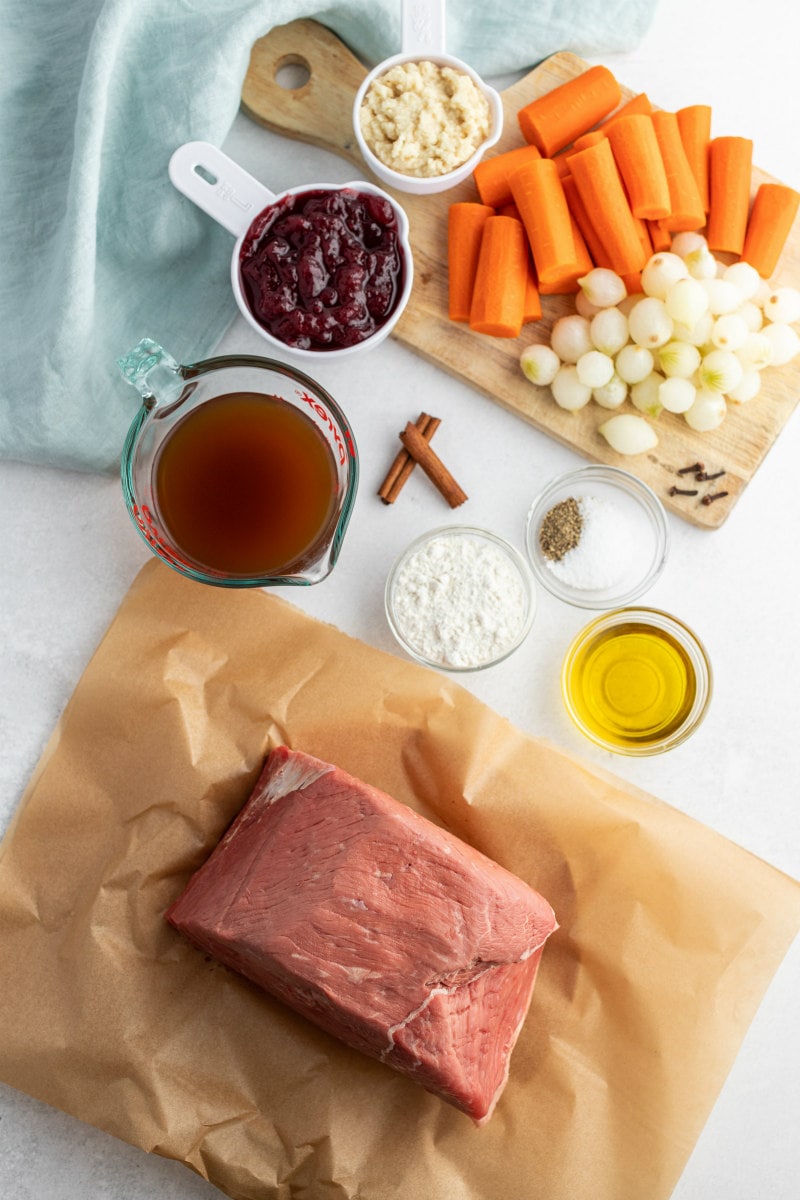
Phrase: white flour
(459, 601)
(612, 542)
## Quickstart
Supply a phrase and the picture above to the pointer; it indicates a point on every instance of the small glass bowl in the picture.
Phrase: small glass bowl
(434, 606)
(636, 681)
(639, 556)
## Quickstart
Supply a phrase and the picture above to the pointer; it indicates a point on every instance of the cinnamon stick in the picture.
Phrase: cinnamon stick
(404, 464)
(432, 465)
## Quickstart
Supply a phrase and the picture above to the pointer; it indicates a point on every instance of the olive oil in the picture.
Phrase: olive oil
(631, 685)
(246, 485)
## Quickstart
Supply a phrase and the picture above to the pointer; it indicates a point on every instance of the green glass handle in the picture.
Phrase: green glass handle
(152, 371)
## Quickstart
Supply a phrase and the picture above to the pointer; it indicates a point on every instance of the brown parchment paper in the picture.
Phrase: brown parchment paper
(669, 933)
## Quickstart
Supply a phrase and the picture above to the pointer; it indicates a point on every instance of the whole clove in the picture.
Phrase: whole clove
(676, 491)
(708, 499)
(704, 477)
(698, 466)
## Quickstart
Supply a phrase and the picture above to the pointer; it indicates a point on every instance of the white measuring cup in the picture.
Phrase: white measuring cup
(229, 194)
(423, 38)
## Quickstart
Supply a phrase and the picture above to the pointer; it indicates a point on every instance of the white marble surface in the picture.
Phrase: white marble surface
(70, 553)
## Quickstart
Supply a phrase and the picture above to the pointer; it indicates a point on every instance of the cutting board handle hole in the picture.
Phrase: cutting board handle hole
(205, 174)
(292, 72)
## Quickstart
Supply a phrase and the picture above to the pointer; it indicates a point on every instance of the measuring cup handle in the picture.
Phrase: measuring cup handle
(218, 185)
(423, 23)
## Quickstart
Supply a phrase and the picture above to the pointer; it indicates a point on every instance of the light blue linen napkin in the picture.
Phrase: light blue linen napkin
(96, 247)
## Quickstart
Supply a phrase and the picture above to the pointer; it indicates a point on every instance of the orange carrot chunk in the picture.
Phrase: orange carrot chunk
(491, 175)
(640, 103)
(660, 238)
(638, 156)
(600, 187)
(539, 196)
(694, 125)
(686, 203)
(555, 119)
(465, 222)
(584, 222)
(771, 219)
(498, 297)
(568, 283)
(643, 229)
(588, 139)
(633, 282)
(730, 161)
(562, 163)
(532, 308)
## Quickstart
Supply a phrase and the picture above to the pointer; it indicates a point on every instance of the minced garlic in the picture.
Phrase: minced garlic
(423, 119)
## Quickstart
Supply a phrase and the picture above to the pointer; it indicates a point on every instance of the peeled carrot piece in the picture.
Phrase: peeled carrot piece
(532, 308)
(539, 196)
(498, 297)
(600, 187)
(770, 222)
(660, 238)
(584, 222)
(686, 203)
(491, 175)
(643, 229)
(555, 119)
(640, 103)
(588, 139)
(562, 163)
(730, 161)
(694, 124)
(638, 156)
(465, 222)
(568, 283)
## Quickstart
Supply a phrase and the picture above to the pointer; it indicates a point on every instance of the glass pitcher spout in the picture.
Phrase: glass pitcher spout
(154, 373)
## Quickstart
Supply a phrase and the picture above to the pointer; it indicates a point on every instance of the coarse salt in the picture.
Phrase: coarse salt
(459, 601)
(613, 541)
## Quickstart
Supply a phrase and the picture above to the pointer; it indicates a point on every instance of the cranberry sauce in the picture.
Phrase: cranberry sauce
(323, 269)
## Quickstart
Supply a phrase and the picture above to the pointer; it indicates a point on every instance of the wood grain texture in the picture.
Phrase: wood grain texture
(320, 112)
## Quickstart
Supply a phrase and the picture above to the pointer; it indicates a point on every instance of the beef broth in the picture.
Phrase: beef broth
(246, 485)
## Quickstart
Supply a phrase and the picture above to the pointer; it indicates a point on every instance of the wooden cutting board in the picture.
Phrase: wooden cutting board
(320, 112)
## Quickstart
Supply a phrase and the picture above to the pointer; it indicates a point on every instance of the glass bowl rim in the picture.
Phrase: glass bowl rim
(481, 533)
(691, 643)
(627, 484)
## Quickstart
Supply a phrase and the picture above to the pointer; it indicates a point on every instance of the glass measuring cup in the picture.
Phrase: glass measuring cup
(251, 212)
(211, 482)
(423, 39)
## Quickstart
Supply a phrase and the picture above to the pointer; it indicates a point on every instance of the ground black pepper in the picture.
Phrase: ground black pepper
(560, 529)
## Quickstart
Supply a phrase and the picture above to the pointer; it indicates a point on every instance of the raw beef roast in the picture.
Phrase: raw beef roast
(383, 929)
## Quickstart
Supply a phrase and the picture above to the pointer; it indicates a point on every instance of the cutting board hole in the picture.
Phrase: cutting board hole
(204, 174)
(292, 72)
